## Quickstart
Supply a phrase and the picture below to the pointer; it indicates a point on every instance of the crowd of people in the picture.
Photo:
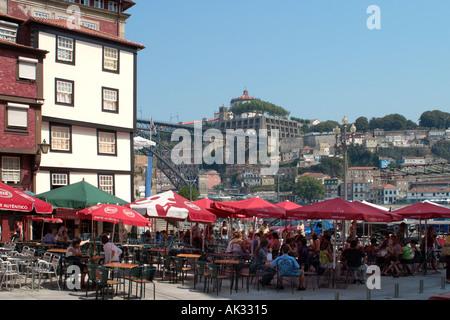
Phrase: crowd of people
(395, 254)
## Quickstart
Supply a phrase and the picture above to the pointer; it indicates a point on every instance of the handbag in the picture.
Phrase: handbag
(445, 251)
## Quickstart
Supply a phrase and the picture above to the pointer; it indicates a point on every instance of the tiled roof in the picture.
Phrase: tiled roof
(22, 46)
(84, 30)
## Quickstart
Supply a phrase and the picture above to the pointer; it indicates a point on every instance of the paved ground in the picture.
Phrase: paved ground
(408, 289)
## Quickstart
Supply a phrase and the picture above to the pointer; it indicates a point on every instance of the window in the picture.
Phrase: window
(106, 183)
(106, 143)
(11, 169)
(27, 68)
(59, 180)
(42, 15)
(65, 50)
(64, 92)
(112, 6)
(89, 25)
(17, 117)
(60, 138)
(86, 2)
(110, 98)
(8, 31)
(98, 4)
(110, 59)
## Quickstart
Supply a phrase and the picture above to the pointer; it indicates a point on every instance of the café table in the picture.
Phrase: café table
(123, 267)
(190, 256)
(235, 265)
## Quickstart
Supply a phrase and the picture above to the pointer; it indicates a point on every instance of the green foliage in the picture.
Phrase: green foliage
(326, 126)
(362, 124)
(358, 156)
(309, 189)
(259, 106)
(391, 122)
(331, 166)
(397, 153)
(185, 192)
(435, 119)
(442, 149)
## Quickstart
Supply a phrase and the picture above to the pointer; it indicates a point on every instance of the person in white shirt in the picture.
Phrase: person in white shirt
(112, 252)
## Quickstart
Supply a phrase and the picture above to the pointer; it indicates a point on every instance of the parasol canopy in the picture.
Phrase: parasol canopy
(14, 201)
(254, 207)
(423, 210)
(171, 206)
(114, 214)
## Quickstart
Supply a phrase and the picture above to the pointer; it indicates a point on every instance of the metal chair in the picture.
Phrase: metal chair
(147, 276)
(9, 274)
(103, 282)
(215, 275)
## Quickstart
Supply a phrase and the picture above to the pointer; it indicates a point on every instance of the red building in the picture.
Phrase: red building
(21, 99)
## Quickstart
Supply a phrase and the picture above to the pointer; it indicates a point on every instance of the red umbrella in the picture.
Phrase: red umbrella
(208, 205)
(337, 209)
(376, 215)
(16, 201)
(171, 206)
(423, 210)
(50, 219)
(288, 205)
(255, 207)
(113, 213)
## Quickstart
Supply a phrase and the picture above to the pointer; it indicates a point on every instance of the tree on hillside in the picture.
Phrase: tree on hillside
(259, 106)
(309, 189)
(442, 149)
(326, 126)
(435, 119)
(362, 124)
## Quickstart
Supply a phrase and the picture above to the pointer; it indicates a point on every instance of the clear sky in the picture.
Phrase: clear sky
(315, 58)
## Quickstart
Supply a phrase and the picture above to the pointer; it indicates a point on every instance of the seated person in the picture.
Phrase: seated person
(355, 259)
(405, 258)
(49, 237)
(73, 254)
(287, 266)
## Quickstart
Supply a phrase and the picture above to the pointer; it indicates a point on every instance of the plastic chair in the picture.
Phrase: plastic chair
(200, 271)
(147, 277)
(180, 268)
(92, 276)
(217, 277)
(104, 283)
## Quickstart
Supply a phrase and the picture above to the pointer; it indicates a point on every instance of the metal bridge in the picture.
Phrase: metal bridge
(179, 174)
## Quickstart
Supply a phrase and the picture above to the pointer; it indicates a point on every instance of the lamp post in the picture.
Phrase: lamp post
(278, 186)
(342, 138)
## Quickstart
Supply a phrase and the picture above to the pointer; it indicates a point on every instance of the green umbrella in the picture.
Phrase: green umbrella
(79, 195)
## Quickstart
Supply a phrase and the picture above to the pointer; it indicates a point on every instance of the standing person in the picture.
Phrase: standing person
(352, 230)
(224, 232)
(112, 252)
(431, 245)
(301, 229)
(18, 232)
(400, 235)
(264, 228)
(447, 257)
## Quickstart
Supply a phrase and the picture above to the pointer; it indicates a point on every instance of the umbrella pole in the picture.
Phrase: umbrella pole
(253, 234)
(334, 253)
(165, 238)
(426, 236)
(114, 229)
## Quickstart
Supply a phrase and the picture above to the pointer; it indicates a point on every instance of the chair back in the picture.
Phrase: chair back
(150, 273)
(47, 257)
(103, 272)
(137, 272)
(213, 269)
(92, 271)
(179, 263)
(200, 267)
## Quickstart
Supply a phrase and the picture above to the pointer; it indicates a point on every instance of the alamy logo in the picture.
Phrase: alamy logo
(236, 147)
(374, 21)
(374, 280)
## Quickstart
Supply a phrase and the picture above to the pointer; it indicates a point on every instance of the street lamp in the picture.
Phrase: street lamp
(342, 138)
(43, 147)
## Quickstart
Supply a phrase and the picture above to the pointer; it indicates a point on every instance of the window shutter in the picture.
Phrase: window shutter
(27, 68)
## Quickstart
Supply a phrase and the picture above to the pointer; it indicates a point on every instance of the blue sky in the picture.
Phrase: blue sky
(315, 58)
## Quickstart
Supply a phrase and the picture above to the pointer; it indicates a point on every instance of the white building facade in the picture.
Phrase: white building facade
(89, 114)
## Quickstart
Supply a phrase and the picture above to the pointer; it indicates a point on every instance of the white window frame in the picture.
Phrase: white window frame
(113, 6)
(42, 15)
(11, 173)
(65, 49)
(110, 99)
(106, 183)
(60, 138)
(111, 59)
(107, 143)
(64, 92)
(59, 179)
(8, 31)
